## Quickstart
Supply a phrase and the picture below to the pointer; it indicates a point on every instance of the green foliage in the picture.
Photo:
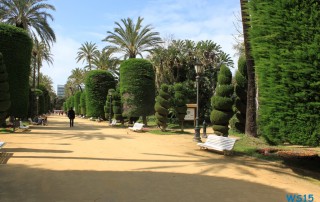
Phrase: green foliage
(180, 102)
(108, 107)
(222, 102)
(4, 92)
(16, 46)
(97, 82)
(77, 102)
(162, 107)
(44, 100)
(285, 38)
(137, 87)
(116, 105)
(83, 103)
(240, 88)
(65, 107)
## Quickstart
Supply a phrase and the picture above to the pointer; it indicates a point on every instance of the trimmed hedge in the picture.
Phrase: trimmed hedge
(241, 85)
(222, 102)
(4, 92)
(83, 103)
(137, 87)
(77, 102)
(180, 103)
(116, 105)
(162, 107)
(97, 83)
(16, 47)
(108, 105)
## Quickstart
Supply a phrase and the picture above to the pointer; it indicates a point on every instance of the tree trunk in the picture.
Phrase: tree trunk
(144, 119)
(251, 124)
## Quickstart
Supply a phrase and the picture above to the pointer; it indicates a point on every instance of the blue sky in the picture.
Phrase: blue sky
(76, 22)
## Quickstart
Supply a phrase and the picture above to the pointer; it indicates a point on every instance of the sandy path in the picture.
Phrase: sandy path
(94, 162)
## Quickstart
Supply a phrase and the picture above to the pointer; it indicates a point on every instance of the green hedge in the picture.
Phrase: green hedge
(162, 107)
(16, 47)
(83, 103)
(180, 102)
(137, 87)
(222, 102)
(77, 103)
(285, 38)
(4, 92)
(108, 105)
(116, 105)
(97, 83)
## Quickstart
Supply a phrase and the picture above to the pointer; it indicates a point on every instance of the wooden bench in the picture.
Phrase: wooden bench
(137, 127)
(218, 143)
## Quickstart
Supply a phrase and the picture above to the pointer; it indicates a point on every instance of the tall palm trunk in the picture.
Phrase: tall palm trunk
(251, 124)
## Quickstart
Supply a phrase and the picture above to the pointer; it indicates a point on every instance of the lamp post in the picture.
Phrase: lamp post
(110, 109)
(199, 69)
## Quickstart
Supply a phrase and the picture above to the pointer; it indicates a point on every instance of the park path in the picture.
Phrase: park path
(94, 162)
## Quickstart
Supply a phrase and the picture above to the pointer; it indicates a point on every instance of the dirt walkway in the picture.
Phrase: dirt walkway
(94, 162)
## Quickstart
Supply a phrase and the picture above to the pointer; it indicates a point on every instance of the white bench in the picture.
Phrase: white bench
(137, 127)
(23, 126)
(2, 144)
(114, 122)
(218, 143)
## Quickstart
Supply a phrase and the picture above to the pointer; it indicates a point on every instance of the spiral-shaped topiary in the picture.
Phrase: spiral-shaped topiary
(116, 105)
(180, 102)
(222, 102)
(4, 92)
(108, 105)
(162, 107)
(241, 94)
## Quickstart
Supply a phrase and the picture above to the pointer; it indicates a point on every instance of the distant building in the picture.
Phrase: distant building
(60, 91)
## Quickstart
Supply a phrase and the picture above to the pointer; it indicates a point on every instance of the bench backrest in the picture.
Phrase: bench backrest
(138, 125)
(223, 142)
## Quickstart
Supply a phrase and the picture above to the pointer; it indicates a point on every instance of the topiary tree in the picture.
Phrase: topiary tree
(4, 92)
(180, 103)
(222, 102)
(108, 104)
(137, 88)
(65, 107)
(241, 85)
(83, 103)
(77, 103)
(16, 46)
(97, 83)
(162, 107)
(116, 105)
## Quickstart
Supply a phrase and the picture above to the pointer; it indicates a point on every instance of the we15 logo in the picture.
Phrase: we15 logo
(300, 197)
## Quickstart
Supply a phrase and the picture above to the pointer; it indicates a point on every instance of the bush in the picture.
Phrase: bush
(116, 105)
(222, 102)
(108, 105)
(4, 92)
(162, 107)
(83, 103)
(16, 47)
(137, 87)
(97, 82)
(77, 103)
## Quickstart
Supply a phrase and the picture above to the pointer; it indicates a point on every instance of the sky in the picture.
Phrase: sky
(76, 22)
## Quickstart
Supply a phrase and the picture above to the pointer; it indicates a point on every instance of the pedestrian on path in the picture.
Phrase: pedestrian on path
(71, 115)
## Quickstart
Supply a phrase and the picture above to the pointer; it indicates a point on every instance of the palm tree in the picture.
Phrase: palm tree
(105, 61)
(40, 52)
(76, 78)
(87, 52)
(132, 39)
(30, 15)
(251, 123)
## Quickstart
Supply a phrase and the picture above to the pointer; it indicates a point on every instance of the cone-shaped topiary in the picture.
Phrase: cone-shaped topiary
(108, 105)
(97, 82)
(222, 102)
(16, 47)
(4, 92)
(162, 107)
(83, 103)
(241, 94)
(180, 103)
(116, 105)
(137, 87)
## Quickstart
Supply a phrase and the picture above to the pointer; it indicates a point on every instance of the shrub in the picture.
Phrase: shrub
(116, 105)
(83, 103)
(222, 102)
(77, 102)
(16, 47)
(108, 106)
(97, 82)
(4, 92)
(180, 103)
(137, 87)
(162, 107)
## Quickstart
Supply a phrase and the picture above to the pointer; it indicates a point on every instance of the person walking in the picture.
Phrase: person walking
(71, 115)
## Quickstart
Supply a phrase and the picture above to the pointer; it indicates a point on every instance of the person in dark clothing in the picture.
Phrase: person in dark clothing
(71, 115)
